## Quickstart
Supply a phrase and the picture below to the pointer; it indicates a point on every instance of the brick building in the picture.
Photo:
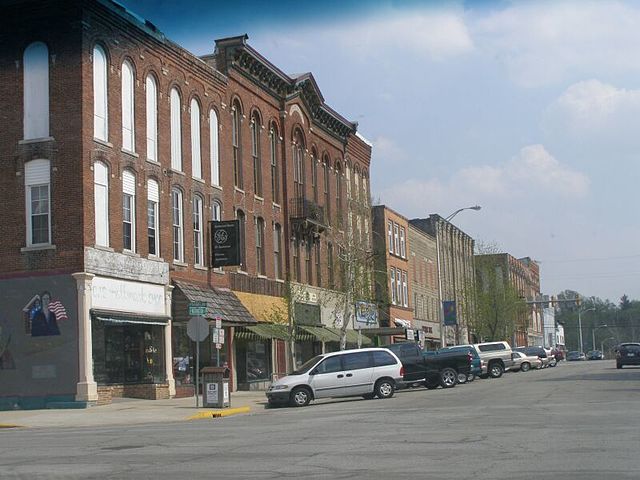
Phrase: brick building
(117, 149)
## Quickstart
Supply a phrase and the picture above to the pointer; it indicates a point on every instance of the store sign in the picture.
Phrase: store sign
(450, 316)
(126, 296)
(225, 243)
(366, 315)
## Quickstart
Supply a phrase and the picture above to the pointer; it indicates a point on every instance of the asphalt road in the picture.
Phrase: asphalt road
(576, 421)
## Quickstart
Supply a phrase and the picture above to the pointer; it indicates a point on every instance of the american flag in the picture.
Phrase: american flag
(58, 309)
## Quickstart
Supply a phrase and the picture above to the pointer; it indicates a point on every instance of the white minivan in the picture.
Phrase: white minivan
(366, 372)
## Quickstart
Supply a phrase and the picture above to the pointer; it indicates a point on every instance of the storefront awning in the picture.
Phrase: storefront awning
(116, 317)
(352, 336)
(321, 334)
(268, 331)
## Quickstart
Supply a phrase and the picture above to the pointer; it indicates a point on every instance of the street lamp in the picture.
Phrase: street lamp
(453, 276)
(602, 343)
(593, 334)
(592, 309)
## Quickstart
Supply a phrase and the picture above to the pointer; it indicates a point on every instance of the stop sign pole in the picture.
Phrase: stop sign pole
(198, 330)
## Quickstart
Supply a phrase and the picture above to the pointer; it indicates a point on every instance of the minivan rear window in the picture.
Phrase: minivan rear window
(356, 361)
(380, 359)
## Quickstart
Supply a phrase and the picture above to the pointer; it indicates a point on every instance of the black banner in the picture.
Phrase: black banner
(225, 243)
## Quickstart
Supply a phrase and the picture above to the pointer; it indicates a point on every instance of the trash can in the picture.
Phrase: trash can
(215, 381)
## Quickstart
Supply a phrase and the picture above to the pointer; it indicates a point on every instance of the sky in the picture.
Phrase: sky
(528, 109)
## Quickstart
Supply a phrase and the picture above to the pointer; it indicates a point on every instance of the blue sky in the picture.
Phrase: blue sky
(529, 109)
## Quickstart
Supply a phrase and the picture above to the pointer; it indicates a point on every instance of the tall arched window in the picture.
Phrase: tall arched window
(347, 174)
(314, 175)
(128, 211)
(196, 159)
(327, 188)
(365, 189)
(260, 256)
(256, 126)
(277, 250)
(152, 118)
(198, 240)
(275, 174)
(356, 183)
(216, 211)
(298, 165)
(213, 145)
(101, 203)
(177, 220)
(100, 89)
(339, 191)
(36, 91)
(243, 254)
(176, 131)
(153, 218)
(236, 144)
(37, 181)
(128, 116)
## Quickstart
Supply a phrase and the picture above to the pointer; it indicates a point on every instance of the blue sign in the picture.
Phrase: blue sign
(450, 315)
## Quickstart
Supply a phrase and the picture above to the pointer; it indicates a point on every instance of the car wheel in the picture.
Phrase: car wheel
(462, 378)
(369, 396)
(448, 378)
(384, 388)
(525, 367)
(471, 377)
(300, 397)
(496, 370)
(553, 362)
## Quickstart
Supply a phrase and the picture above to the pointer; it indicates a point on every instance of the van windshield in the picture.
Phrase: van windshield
(304, 368)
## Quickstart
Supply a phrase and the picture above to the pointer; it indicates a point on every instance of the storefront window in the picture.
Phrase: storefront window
(184, 354)
(127, 353)
(254, 361)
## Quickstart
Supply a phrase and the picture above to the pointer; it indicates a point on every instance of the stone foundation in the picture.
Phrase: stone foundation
(157, 391)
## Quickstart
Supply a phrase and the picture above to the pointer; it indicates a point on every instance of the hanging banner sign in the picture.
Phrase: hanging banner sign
(225, 243)
(450, 315)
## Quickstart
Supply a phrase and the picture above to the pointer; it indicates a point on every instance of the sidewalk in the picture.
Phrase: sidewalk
(128, 411)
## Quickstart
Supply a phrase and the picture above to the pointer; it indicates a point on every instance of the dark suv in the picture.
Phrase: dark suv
(627, 354)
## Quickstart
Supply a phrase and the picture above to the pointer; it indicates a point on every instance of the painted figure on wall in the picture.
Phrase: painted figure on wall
(43, 314)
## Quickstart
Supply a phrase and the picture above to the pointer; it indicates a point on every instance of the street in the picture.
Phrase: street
(577, 421)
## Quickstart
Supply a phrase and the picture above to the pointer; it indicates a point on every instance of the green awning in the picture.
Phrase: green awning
(269, 330)
(321, 334)
(352, 337)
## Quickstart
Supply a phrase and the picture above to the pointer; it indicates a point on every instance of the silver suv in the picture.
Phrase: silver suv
(496, 356)
(366, 372)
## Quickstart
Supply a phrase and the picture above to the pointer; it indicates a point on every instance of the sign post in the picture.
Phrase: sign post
(218, 338)
(198, 330)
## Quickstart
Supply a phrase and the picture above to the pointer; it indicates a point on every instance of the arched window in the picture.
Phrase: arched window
(277, 250)
(196, 159)
(347, 173)
(275, 174)
(101, 203)
(327, 187)
(152, 118)
(153, 218)
(36, 91)
(128, 211)
(128, 116)
(365, 189)
(256, 126)
(216, 211)
(314, 175)
(236, 144)
(339, 191)
(177, 220)
(100, 89)
(198, 240)
(260, 260)
(243, 254)
(356, 182)
(176, 131)
(37, 181)
(213, 145)
(298, 165)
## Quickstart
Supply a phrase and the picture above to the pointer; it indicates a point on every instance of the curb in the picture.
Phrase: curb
(10, 425)
(219, 413)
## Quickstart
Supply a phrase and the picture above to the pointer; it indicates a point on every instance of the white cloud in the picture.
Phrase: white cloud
(544, 43)
(385, 149)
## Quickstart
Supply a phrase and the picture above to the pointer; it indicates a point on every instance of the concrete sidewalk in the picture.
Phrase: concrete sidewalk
(128, 411)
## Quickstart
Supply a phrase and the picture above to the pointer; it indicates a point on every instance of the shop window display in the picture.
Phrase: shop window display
(254, 361)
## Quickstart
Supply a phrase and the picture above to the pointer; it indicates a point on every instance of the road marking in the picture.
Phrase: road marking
(219, 413)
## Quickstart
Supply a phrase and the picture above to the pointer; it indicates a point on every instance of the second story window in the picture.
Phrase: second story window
(177, 220)
(277, 249)
(38, 200)
(176, 130)
(236, 145)
(298, 166)
(152, 118)
(196, 155)
(405, 291)
(256, 126)
(403, 243)
(128, 211)
(100, 106)
(153, 219)
(296, 259)
(214, 149)
(307, 263)
(330, 265)
(314, 176)
(396, 238)
(275, 174)
(390, 235)
(260, 260)
(243, 253)
(318, 266)
(339, 193)
(392, 275)
(36, 91)
(101, 203)
(327, 194)
(198, 242)
(128, 102)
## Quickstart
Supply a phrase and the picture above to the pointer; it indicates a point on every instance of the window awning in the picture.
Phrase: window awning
(352, 336)
(321, 334)
(122, 318)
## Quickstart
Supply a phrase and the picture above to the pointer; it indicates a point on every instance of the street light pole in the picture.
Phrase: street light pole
(593, 334)
(580, 326)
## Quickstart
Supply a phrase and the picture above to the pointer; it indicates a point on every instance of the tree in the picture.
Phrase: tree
(625, 304)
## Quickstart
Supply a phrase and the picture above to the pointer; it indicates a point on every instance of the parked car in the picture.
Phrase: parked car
(627, 354)
(595, 355)
(497, 357)
(523, 362)
(477, 365)
(558, 353)
(431, 369)
(575, 356)
(545, 356)
(367, 372)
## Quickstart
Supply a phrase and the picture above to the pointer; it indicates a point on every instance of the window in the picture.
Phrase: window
(277, 249)
(100, 107)
(213, 140)
(318, 266)
(255, 154)
(327, 197)
(399, 300)
(177, 218)
(128, 211)
(196, 155)
(405, 291)
(153, 220)
(365, 190)
(275, 177)
(37, 179)
(396, 238)
(357, 361)
(314, 176)
(307, 262)
(260, 263)
(176, 131)
(36, 91)
(339, 191)
(392, 274)
(298, 166)
(330, 365)
(390, 235)
(347, 173)
(296, 259)
(403, 243)
(380, 359)
(356, 181)
(243, 254)
(198, 243)
(101, 203)
(330, 265)
(128, 132)
(236, 145)
(152, 118)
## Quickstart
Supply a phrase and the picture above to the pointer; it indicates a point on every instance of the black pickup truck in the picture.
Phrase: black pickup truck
(430, 368)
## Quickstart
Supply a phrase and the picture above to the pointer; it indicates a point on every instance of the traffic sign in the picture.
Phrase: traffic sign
(218, 321)
(218, 346)
(198, 329)
(197, 309)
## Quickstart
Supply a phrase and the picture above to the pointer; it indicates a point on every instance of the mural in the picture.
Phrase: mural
(42, 314)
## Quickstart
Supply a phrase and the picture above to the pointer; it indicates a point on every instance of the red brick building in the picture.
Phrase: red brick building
(117, 148)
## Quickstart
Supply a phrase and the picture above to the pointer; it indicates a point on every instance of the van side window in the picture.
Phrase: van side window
(330, 365)
(380, 359)
(356, 361)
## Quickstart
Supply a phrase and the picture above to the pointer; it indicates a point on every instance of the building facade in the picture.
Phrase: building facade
(117, 149)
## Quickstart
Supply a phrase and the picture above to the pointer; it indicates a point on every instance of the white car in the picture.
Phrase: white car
(366, 372)
(524, 363)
